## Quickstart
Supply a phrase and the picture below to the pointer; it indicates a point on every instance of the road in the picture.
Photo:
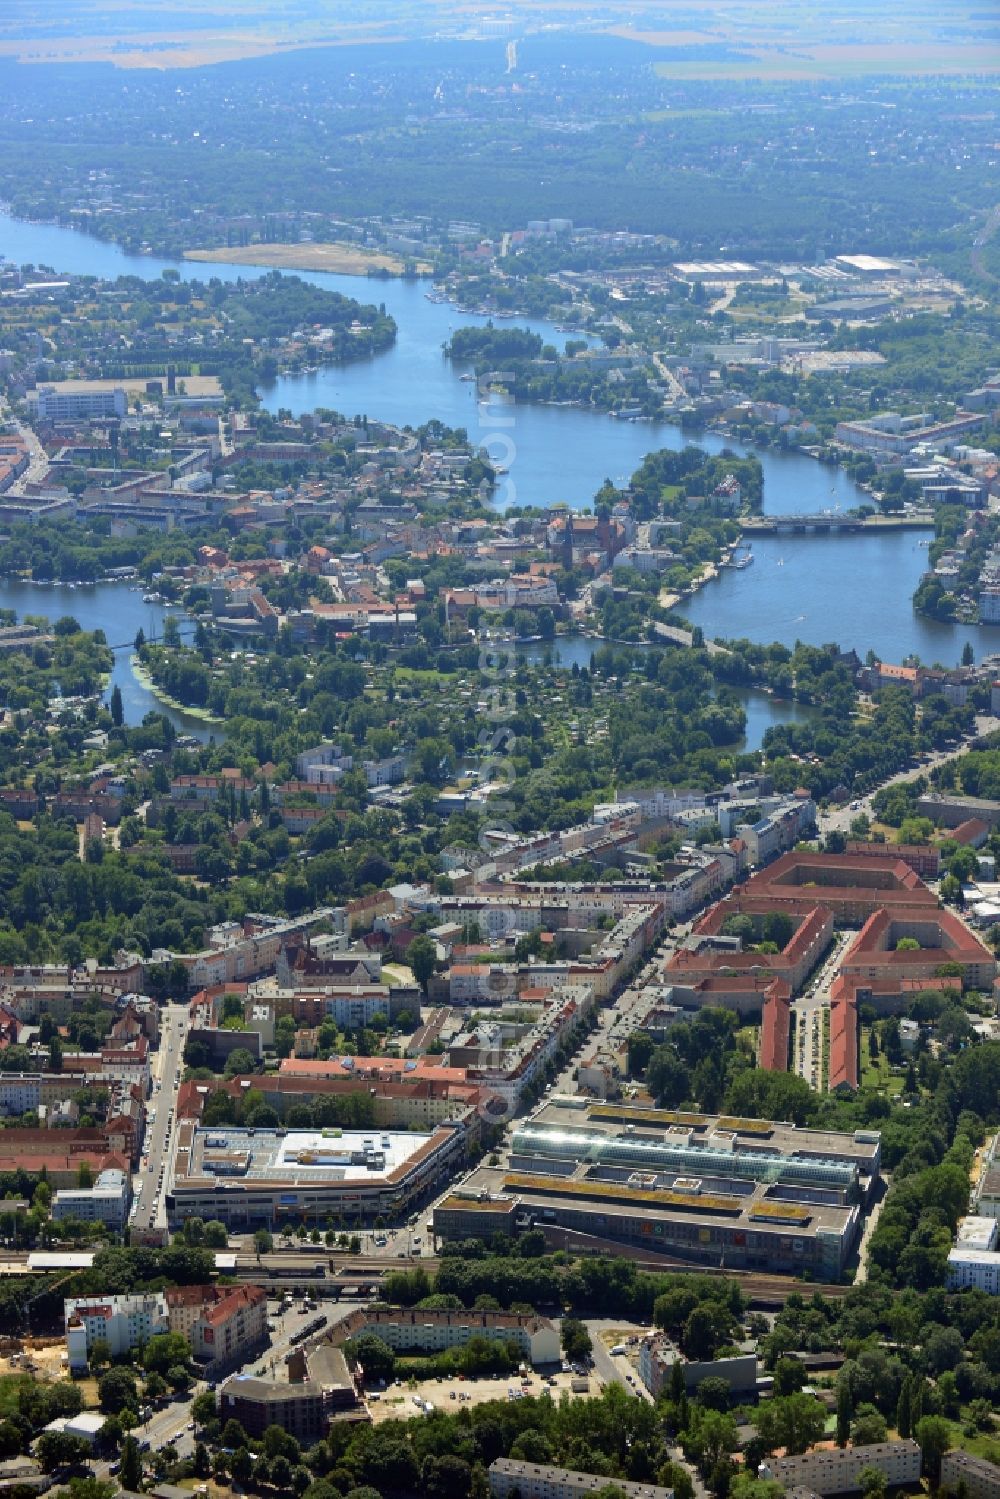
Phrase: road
(839, 819)
(677, 392)
(38, 463)
(809, 1009)
(153, 1177)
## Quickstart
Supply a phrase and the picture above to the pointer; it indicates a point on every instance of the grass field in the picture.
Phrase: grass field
(194, 385)
(848, 61)
(877, 1074)
(721, 40)
(342, 259)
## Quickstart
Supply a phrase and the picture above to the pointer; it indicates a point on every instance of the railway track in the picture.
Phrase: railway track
(351, 1268)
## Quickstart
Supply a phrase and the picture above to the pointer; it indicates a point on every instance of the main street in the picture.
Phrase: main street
(153, 1178)
(839, 819)
(38, 463)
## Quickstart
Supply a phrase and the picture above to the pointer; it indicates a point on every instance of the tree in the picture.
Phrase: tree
(240, 1060)
(944, 1347)
(216, 1235)
(705, 1330)
(241, 1465)
(233, 1434)
(117, 1389)
(99, 1353)
(56, 1449)
(203, 1409)
(89, 1488)
(667, 1077)
(165, 1349)
(131, 1469)
(374, 1355)
(279, 1474)
(281, 1443)
(421, 956)
(789, 1376)
(713, 1393)
(117, 707)
(791, 1421)
(934, 1435)
(446, 1476)
(575, 1338)
(263, 1243)
(710, 1437)
(872, 1482)
(903, 1409)
(868, 1426)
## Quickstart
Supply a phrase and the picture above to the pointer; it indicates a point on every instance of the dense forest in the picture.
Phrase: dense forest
(282, 138)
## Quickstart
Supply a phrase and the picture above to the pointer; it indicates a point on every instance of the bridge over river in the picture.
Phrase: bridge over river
(835, 521)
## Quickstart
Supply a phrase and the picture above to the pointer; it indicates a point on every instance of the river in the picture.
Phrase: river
(117, 609)
(855, 590)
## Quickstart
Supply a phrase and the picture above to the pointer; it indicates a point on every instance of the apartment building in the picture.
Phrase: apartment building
(407, 1329)
(54, 405)
(224, 1325)
(123, 1322)
(107, 1201)
(319, 1388)
(975, 1268)
(988, 1200)
(979, 1477)
(541, 1481)
(836, 1470)
(657, 1356)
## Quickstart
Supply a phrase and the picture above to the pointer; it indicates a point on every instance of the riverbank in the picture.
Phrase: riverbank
(144, 679)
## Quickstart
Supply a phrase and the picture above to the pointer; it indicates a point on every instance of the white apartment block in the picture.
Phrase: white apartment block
(124, 1322)
(53, 405)
(981, 1478)
(432, 1332)
(836, 1470)
(978, 1268)
(540, 1481)
(107, 1201)
(987, 1202)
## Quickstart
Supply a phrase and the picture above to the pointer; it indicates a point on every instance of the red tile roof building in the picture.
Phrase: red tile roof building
(775, 1029)
(223, 1324)
(923, 858)
(843, 1060)
(974, 832)
(809, 941)
(851, 887)
(943, 939)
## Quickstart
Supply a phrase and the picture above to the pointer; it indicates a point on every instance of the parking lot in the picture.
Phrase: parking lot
(399, 1401)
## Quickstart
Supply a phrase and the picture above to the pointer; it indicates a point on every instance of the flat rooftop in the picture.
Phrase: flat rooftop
(765, 1136)
(597, 1163)
(661, 1197)
(302, 1157)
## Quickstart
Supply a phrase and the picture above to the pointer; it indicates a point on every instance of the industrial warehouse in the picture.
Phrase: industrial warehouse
(741, 1193)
